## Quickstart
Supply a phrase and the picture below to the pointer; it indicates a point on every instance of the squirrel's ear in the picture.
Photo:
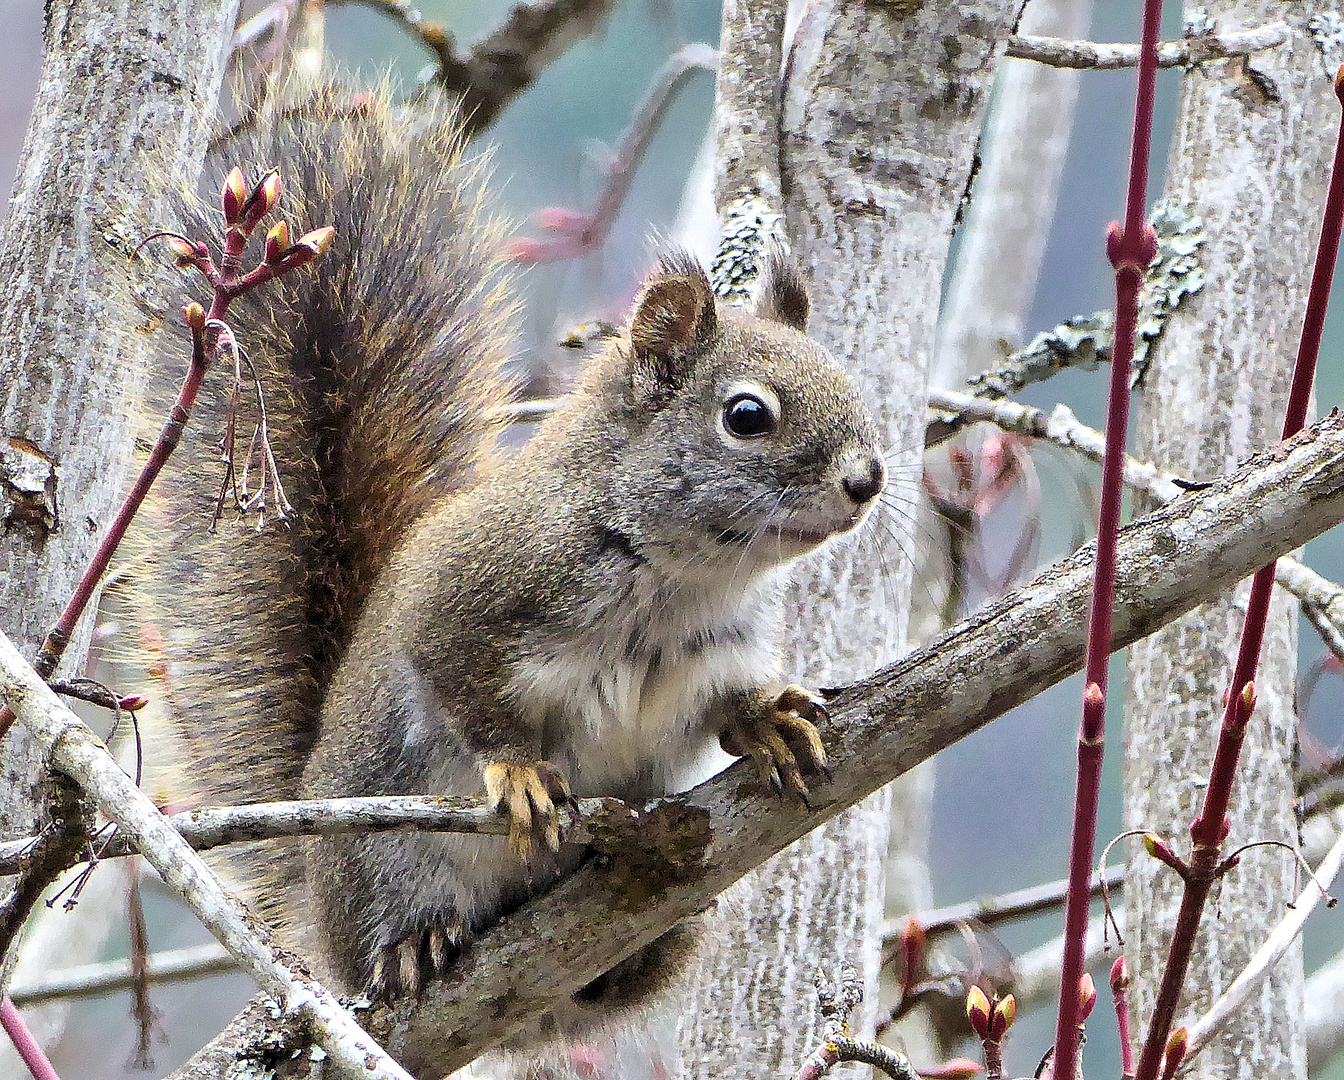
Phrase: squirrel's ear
(674, 314)
(783, 291)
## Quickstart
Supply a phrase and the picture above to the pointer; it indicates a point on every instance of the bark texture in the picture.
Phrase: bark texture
(122, 102)
(876, 155)
(1251, 158)
(1012, 203)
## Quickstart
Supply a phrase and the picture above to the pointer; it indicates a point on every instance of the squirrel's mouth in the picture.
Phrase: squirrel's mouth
(811, 537)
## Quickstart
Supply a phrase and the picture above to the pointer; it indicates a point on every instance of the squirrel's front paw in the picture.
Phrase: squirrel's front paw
(405, 965)
(779, 734)
(528, 793)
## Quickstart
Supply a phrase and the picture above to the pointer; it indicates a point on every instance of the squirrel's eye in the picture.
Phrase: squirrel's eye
(747, 417)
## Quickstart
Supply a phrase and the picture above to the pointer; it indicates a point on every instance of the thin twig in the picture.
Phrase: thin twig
(992, 910)
(1131, 248)
(28, 1047)
(77, 752)
(215, 826)
(45, 857)
(575, 233)
(90, 980)
(1269, 954)
(507, 62)
(1097, 56)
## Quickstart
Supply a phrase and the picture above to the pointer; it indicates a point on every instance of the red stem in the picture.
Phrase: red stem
(24, 1042)
(1209, 829)
(1121, 1001)
(228, 286)
(1130, 250)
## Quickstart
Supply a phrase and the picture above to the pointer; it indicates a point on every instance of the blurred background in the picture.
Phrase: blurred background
(548, 151)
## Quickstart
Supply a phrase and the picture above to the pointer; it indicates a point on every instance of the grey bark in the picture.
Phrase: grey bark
(1013, 201)
(1251, 158)
(854, 168)
(122, 102)
(1012, 649)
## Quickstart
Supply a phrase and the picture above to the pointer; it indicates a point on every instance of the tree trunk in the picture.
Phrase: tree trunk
(120, 110)
(880, 124)
(1251, 158)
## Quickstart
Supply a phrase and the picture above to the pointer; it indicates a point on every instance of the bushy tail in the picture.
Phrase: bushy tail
(382, 365)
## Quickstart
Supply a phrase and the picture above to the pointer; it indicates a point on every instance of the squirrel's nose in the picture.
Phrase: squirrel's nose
(865, 481)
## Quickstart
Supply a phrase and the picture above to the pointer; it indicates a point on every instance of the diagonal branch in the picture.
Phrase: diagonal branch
(1186, 552)
(507, 62)
(77, 752)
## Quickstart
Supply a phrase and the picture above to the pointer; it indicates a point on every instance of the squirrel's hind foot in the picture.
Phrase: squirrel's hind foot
(406, 966)
(779, 733)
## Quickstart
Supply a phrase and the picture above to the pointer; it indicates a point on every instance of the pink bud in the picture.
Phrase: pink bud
(1087, 996)
(262, 200)
(1005, 1012)
(318, 240)
(133, 703)
(183, 251)
(277, 242)
(1120, 976)
(977, 1011)
(233, 196)
(1175, 1052)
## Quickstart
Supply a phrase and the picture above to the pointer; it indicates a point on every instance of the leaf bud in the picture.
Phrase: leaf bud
(977, 1011)
(233, 196)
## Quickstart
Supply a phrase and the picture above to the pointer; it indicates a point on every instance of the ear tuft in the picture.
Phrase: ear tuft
(674, 314)
(783, 291)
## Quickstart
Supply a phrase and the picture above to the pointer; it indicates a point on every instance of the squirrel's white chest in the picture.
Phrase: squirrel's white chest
(626, 703)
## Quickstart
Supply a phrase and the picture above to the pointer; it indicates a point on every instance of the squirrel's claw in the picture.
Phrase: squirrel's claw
(528, 793)
(779, 734)
(406, 965)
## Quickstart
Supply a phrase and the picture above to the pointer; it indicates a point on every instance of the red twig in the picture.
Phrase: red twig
(1209, 829)
(1130, 248)
(243, 212)
(1120, 998)
(24, 1042)
(576, 232)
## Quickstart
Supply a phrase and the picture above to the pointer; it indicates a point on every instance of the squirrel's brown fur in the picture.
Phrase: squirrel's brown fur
(587, 619)
(383, 370)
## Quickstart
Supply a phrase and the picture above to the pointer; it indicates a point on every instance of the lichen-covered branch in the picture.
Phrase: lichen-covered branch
(1189, 51)
(746, 129)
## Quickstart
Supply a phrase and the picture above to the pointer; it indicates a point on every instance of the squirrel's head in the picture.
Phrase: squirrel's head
(740, 443)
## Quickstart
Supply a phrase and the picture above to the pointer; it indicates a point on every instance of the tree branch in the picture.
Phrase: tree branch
(1192, 549)
(215, 826)
(1322, 600)
(507, 62)
(77, 752)
(1095, 56)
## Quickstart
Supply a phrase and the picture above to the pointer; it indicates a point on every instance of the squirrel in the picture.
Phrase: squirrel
(583, 617)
